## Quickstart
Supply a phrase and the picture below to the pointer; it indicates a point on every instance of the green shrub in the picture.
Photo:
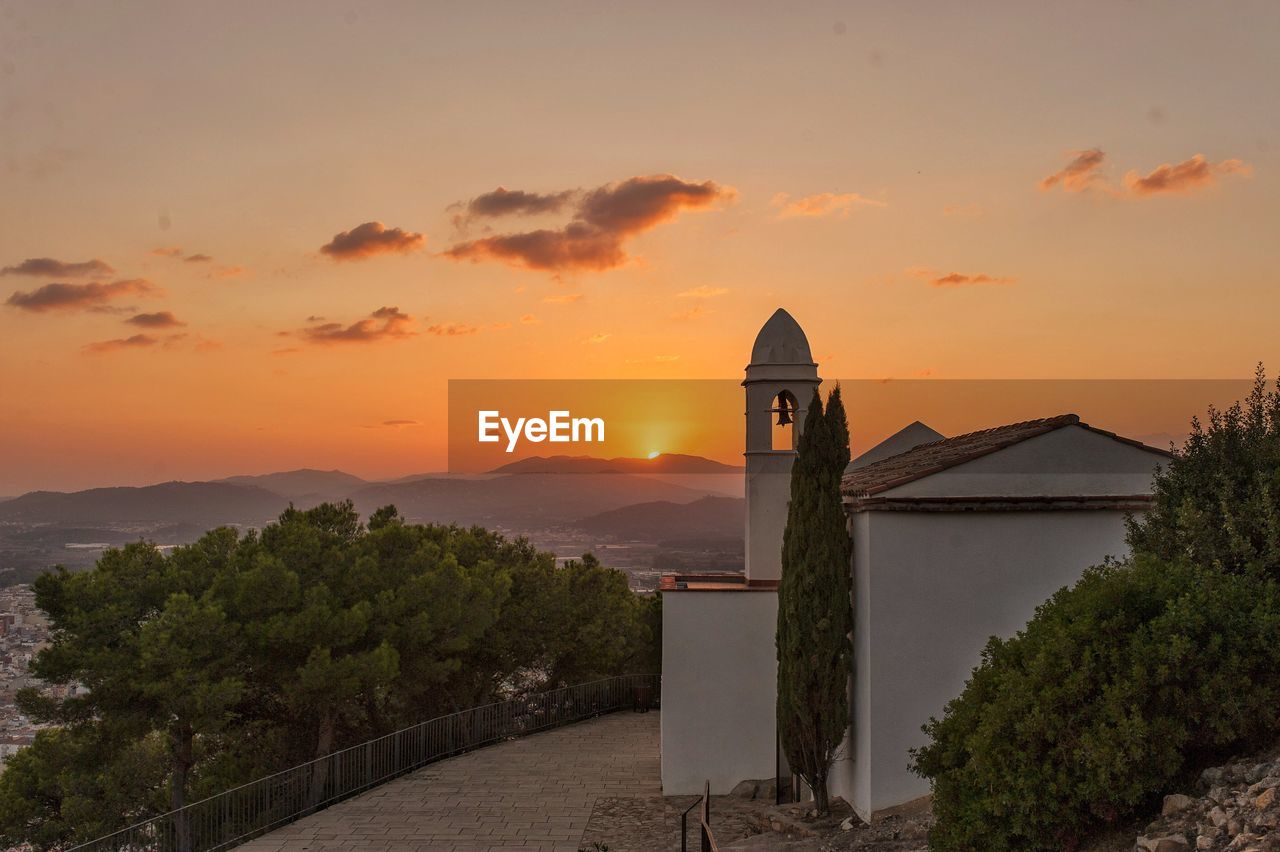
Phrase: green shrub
(1119, 688)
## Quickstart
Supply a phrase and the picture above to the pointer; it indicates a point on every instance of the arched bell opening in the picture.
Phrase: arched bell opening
(783, 415)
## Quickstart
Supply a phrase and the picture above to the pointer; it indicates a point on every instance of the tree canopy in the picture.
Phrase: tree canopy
(189, 672)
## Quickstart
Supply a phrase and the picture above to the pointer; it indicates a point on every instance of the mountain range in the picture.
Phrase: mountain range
(680, 502)
(529, 493)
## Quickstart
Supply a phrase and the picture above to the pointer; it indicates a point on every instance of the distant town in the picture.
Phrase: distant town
(23, 632)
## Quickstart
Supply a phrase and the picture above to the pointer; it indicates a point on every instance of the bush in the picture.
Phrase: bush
(1218, 502)
(1120, 687)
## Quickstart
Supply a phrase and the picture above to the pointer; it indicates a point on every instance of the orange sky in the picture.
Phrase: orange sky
(992, 191)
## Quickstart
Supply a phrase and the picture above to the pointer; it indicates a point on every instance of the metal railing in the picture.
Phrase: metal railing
(707, 840)
(244, 812)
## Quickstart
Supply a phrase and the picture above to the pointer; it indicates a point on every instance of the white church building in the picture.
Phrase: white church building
(954, 540)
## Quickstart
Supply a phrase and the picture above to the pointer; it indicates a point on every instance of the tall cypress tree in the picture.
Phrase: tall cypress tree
(815, 613)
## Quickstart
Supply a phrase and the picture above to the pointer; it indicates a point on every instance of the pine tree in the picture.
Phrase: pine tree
(815, 614)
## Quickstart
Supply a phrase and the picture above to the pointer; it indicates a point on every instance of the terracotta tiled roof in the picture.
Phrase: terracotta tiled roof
(927, 459)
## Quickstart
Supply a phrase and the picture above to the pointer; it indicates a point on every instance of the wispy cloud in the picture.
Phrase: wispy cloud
(137, 341)
(562, 298)
(529, 319)
(1198, 172)
(822, 204)
(703, 292)
(159, 319)
(604, 219)
(600, 337)
(47, 267)
(382, 324)
(1187, 176)
(93, 296)
(958, 279)
(697, 312)
(197, 258)
(167, 251)
(511, 202)
(654, 359)
(370, 239)
(1079, 174)
(451, 329)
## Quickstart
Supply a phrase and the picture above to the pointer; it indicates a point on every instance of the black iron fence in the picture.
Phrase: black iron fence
(229, 818)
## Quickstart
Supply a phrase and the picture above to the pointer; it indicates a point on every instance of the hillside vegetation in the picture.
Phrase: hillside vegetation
(240, 655)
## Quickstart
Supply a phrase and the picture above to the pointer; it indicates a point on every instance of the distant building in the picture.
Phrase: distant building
(955, 540)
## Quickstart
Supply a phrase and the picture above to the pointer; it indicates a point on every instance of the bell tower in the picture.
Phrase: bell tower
(779, 385)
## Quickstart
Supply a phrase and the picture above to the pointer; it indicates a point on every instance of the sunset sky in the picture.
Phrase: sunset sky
(239, 237)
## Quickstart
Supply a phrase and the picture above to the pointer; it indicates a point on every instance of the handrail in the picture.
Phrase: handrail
(707, 840)
(248, 810)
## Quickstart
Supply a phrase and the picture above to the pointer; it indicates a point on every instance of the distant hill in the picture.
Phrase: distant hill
(707, 518)
(667, 463)
(304, 484)
(208, 504)
(524, 501)
(529, 501)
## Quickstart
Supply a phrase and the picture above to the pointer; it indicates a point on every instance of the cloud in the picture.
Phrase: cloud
(47, 267)
(396, 424)
(604, 219)
(597, 338)
(1077, 175)
(160, 319)
(823, 204)
(451, 329)
(957, 279)
(507, 202)
(93, 296)
(372, 238)
(197, 258)
(1184, 177)
(697, 312)
(654, 359)
(137, 341)
(562, 299)
(228, 272)
(530, 319)
(167, 251)
(382, 324)
(703, 292)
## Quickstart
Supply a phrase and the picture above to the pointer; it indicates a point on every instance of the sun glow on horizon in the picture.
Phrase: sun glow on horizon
(654, 454)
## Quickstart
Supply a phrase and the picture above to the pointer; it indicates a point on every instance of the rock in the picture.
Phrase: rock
(847, 824)
(1211, 776)
(1265, 799)
(744, 790)
(1204, 841)
(1171, 843)
(1175, 803)
(767, 790)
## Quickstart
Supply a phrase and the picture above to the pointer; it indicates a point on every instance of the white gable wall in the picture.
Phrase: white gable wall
(930, 589)
(1071, 461)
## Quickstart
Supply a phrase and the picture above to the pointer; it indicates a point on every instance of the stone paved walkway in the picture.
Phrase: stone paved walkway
(534, 793)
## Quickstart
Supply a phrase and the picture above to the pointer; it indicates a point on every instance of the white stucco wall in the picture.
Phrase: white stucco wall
(1071, 461)
(931, 588)
(719, 688)
(768, 490)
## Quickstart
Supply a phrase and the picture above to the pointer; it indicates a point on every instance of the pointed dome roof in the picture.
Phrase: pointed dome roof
(781, 341)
